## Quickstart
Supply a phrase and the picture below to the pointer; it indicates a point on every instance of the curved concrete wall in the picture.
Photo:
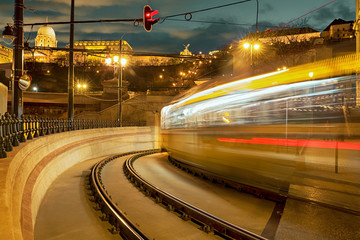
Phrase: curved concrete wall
(30, 169)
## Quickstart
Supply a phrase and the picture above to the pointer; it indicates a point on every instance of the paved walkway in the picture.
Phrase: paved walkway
(67, 214)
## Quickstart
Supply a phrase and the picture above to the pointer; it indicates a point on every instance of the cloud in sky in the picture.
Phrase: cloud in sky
(339, 9)
(202, 33)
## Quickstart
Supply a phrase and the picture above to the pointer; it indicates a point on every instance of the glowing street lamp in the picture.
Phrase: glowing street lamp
(81, 87)
(120, 63)
(255, 46)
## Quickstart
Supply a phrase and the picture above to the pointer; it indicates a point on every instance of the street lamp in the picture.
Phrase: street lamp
(120, 64)
(252, 46)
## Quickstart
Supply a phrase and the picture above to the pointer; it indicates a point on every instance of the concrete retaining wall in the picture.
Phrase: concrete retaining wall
(29, 170)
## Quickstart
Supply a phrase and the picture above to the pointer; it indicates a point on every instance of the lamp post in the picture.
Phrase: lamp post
(123, 62)
(252, 46)
(120, 63)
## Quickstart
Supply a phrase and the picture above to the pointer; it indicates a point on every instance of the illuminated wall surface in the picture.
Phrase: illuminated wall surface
(6, 54)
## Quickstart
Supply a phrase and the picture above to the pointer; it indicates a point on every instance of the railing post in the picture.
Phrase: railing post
(8, 146)
(28, 126)
(52, 125)
(22, 137)
(62, 125)
(57, 125)
(36, 126)
(14, 130)
(2, 139)
(41, 124)
(47, 126)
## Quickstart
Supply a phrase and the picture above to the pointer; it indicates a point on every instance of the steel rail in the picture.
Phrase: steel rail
(113, 214)
(208, 222)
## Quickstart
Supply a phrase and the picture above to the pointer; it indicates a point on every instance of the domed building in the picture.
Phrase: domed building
(46, 37)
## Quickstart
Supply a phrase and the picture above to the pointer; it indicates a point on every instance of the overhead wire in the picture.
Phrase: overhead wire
(314, 10)
(201, 10)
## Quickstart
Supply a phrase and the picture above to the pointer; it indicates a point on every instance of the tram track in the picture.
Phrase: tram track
(116, 217)
(149, 180)
(206, 221)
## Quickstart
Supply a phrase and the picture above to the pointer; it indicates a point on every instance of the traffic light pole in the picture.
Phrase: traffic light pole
(17, 95)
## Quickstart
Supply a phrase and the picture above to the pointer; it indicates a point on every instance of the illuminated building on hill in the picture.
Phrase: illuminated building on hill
(95, 52)
(46, 37)
(6, 54)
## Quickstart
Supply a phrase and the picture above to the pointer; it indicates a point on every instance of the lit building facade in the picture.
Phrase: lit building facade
(339, 29)
(6, 54)
(95, 52)
(45, 37)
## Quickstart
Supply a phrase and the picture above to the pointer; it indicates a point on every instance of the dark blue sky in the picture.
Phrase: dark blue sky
(203, 32)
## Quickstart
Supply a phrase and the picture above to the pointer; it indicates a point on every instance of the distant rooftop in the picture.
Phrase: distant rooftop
(338, 21)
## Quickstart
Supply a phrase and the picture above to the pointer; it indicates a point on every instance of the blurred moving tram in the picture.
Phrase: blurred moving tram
(294, 132)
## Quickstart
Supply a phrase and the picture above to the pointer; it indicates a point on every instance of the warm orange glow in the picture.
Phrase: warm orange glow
(123, 62)
(108, 61)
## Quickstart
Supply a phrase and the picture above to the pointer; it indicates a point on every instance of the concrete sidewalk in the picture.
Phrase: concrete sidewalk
(67, 213)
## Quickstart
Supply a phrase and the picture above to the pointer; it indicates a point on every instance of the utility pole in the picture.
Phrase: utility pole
(71, 66)
(17, 95)
(357, 34)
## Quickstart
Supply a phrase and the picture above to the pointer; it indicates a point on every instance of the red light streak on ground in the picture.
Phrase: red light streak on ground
(296, 143)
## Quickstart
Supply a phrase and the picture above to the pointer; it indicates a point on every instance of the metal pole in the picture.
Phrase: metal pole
(120, 88)
(357, 34)
(17, 95)
(120, 97)
(257, 14)
(251, 55)
(71, 66)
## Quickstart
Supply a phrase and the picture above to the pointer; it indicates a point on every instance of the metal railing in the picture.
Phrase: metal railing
(14, 131)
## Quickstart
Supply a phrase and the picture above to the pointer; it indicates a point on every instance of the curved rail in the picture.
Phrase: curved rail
(208, 222)
(279, 198)
(113, 214)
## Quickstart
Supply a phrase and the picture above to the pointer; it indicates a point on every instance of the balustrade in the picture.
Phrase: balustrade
(14, 131)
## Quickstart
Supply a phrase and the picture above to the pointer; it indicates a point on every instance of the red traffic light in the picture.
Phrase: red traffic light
(148, 21)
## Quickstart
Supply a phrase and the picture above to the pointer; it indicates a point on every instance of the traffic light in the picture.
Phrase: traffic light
(148, 21)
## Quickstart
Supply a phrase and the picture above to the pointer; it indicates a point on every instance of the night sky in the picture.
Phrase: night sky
(205, 32)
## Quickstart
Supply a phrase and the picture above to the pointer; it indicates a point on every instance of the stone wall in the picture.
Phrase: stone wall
(29, 170)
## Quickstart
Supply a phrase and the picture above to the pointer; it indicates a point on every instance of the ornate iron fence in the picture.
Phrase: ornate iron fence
(14, 131)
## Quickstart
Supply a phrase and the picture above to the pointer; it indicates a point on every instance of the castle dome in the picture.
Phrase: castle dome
(46, 37)
(47, 31)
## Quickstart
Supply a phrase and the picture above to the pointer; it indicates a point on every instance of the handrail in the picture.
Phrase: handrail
(14, 131)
